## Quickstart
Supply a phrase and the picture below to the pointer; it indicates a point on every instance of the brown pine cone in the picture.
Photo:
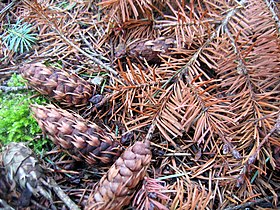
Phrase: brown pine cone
(116, 188)
(146, 49)
(80, 139)
(68, 89)
(24, 171)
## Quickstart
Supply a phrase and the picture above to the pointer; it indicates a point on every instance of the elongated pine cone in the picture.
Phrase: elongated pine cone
(80, 139)
(67, 89)
(24, 171)
(146, 49)
(117, 187)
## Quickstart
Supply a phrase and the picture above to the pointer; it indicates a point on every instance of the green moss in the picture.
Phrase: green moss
(16, 80)
(16, 121)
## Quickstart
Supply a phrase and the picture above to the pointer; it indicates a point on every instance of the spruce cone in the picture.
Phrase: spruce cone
(80, 139)
(24, 171)
(9, 194)
(4, 205)
(5, 186)
(68, 89)
(146, 49)
(116, 188)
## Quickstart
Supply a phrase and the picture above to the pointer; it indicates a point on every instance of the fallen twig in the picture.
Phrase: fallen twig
(7, 72)
(12, 89)
(4, 205)
(273, 9)
(276, 127)
(251, 203)
(8, 7)
(59, 192)
(69, 42)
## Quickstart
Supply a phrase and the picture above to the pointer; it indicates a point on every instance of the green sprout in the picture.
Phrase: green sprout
(19, 37)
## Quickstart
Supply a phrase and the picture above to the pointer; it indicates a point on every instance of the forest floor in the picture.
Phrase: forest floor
(198, 79)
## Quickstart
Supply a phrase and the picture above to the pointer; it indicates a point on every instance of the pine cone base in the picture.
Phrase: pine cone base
(116, 189)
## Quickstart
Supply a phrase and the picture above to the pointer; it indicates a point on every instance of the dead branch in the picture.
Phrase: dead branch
(274, 11)
(60, 193)
(275, 128)
(13, 89)
(251, 203)
(4, 205)
(7, 72)
(8, 7)
(51, 24)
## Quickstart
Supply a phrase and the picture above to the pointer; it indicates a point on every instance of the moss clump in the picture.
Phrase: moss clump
(16, 121)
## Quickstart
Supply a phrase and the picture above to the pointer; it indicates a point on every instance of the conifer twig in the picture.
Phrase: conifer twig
(276, 127)
(93, 51)
(250, 204)
(12, 89)
(61, 194)
(4, 205)
(224, 23)
(252, 158)
(271, 5)
(8, 7)
(96, 60)
(241, 68)
(51, 24)
(39, 206)
(7, 72)
(151, 131)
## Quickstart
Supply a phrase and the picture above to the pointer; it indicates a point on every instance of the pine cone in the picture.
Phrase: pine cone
(4, 205)
(80, 139)
(68, 89)
(24, 171)
(116, 188)
(146, 49)
(9, 194)
(5, 186)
